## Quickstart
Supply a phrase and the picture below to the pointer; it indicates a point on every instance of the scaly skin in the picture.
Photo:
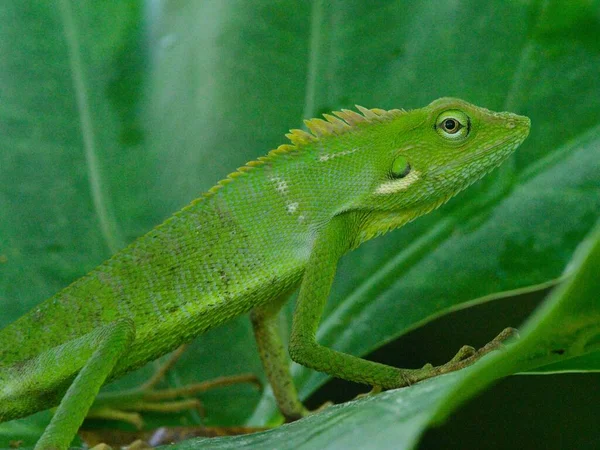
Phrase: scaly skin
(280, 222)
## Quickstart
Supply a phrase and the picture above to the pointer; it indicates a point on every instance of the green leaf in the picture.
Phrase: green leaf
(564, 328)
(113, 115)
(589, 363)
(393, 420)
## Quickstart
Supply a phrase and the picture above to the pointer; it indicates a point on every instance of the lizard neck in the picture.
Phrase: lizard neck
(374, 223)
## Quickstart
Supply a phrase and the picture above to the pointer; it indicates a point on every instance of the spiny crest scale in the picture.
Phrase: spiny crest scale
(345, 121)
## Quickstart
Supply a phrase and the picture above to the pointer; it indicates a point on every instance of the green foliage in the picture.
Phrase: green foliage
(115, 114)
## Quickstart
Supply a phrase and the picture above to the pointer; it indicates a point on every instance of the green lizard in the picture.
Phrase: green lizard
(276, 224)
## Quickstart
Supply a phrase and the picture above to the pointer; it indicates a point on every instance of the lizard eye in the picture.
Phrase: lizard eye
(400, 167)
(453, 125)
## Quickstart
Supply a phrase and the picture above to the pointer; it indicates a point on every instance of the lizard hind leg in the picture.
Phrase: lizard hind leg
(127, 406)
(275, 360)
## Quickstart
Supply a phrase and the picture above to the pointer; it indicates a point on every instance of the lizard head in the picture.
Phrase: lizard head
(432, 154)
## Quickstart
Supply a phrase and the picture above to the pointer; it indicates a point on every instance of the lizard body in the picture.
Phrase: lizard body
(277, 223)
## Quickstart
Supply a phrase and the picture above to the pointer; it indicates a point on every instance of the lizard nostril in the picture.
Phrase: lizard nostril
(510, 125)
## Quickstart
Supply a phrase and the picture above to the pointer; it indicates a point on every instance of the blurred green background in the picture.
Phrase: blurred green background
(115, 114)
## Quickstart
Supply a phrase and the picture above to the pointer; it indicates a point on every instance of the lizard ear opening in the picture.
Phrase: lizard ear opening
(400, 167)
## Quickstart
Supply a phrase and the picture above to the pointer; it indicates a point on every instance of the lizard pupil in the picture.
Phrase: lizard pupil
(449, 124)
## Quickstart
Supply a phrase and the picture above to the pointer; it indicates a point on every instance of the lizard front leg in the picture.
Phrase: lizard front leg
(330, 245)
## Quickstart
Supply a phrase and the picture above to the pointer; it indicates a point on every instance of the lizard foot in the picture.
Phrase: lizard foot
(127, 406)
(466, 356)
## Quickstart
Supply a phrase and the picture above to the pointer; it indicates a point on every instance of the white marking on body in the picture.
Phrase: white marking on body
(401, 184)
(280, 185)
(329, 156)
(282, 188)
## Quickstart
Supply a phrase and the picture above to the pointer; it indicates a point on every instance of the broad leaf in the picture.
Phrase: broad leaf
(115, 114)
